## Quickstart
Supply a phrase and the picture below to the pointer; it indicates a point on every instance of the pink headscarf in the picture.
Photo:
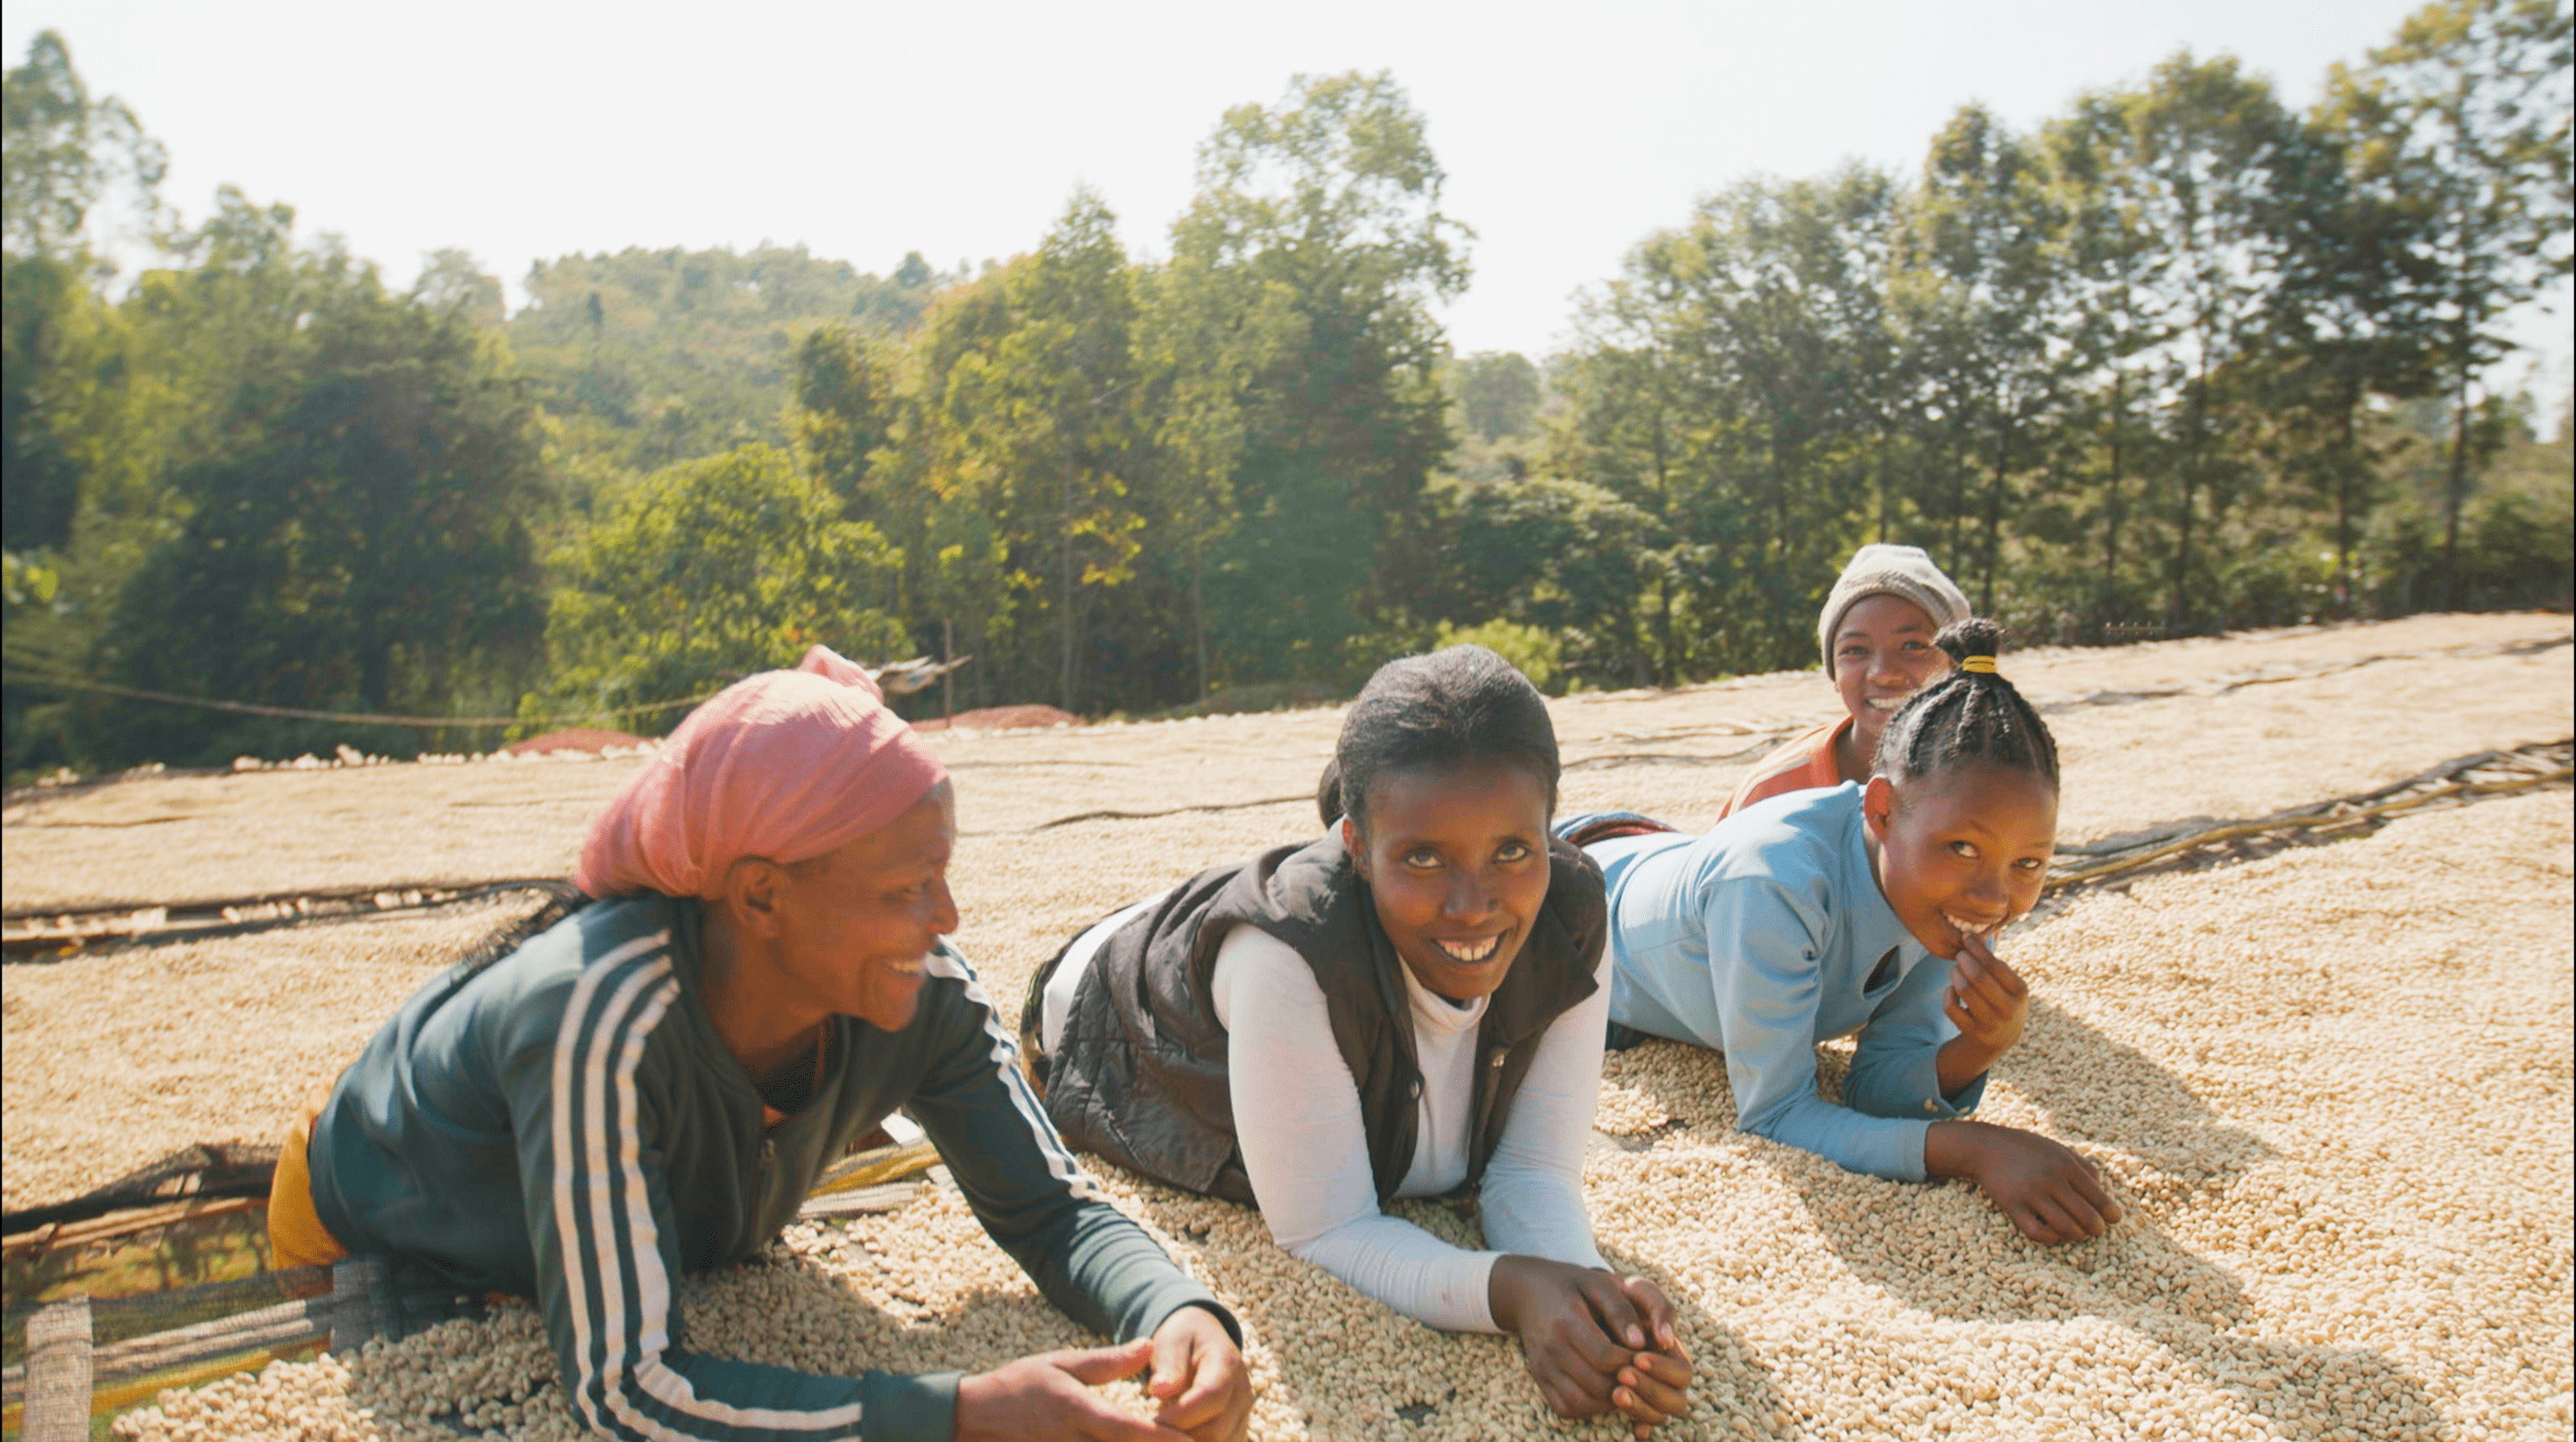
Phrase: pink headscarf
(785, 765)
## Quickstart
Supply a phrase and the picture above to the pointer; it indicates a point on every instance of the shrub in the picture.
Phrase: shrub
(706, 572)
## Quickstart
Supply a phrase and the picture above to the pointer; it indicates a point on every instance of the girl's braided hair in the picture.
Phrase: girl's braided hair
(1446, 709)
(1973, 715)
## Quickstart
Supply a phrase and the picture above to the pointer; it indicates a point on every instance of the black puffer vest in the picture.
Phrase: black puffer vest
(1139, 1074)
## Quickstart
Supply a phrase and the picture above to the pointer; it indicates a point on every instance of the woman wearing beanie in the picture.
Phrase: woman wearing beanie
(1876, 633)
(652, 1086)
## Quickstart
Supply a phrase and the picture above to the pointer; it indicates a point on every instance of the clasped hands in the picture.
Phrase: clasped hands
(1595, 1341)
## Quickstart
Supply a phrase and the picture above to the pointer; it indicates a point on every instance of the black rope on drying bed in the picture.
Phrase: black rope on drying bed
(58, 933)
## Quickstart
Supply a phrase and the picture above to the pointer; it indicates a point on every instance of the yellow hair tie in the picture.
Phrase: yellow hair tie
(1982, 665)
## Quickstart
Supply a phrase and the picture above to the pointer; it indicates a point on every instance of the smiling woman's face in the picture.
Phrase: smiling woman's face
(1883, 654)
(1456, 859)
(1961, 854)
(856, 926)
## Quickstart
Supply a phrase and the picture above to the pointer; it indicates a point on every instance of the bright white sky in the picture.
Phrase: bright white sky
(1569, 132)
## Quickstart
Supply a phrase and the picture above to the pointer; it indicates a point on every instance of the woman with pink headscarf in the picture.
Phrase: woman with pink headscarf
(651, 1088)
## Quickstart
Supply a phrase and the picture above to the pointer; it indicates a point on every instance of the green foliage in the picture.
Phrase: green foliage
(1301, 282)
(1537, 651)
(1567, 557)
(1725, 389)
(2518, 532)
(705, 572)
(656, 356)
(844, 405)
(1495, 400)
(1028, 418)
(2178, 356)
(64, 153)
(452, 284)
(1498, 394)
(1123, 485)
(358, 541)
(51, 314)
(2467, 116)
(2123, 369)
(30, 582)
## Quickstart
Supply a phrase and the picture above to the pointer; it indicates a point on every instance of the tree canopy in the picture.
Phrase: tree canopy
(2179, 357)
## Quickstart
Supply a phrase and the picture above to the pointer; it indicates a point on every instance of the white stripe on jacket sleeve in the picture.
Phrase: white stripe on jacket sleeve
(599, 1172)
(1005, 1055)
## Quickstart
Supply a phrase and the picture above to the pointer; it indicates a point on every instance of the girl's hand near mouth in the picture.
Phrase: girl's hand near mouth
(2050, 1193)
(1990, 1004)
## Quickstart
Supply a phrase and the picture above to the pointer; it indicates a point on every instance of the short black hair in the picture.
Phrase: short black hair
(1450, 708)
(1968, 717)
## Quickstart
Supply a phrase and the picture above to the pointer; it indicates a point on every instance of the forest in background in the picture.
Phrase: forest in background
(2178, 359)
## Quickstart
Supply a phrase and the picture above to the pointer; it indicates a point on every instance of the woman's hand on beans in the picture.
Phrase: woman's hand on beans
(2047, 1191)
(1200, 1378)
(1595, 1342)
(1048, 1398)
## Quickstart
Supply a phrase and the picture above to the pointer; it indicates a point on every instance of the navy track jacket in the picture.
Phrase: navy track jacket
(565, 1124)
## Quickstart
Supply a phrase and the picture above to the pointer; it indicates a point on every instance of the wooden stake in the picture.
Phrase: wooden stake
(355, 1315)
(58, 1374)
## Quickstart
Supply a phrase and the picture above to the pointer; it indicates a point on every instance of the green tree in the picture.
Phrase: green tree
(1621, 431)
(1569, 559)
(2522, 546)
(2205, 147)
(843, 408)
(64, 153)
(1036, 423)
(77, 446)
(452, 283)
(359, 540)
(50, 334)
(1303, 274)
(1499, 392)
(2355, 315)
(2470, 108)
(1985, 240)
(1749, 341)
(1194, 357)
(2116, 333)
(706, 572)
(856, 428)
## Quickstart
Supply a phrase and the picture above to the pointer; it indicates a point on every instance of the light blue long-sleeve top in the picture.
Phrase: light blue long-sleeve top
(1766, 936)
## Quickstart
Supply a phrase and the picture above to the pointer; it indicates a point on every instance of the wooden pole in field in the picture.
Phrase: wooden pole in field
(58, 1374)
(947, 679)
(356, 1316)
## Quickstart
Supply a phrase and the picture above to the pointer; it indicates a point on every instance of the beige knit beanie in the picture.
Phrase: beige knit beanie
(1901, 571)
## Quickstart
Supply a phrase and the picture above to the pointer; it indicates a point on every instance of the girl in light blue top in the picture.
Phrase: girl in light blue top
(1825, 913)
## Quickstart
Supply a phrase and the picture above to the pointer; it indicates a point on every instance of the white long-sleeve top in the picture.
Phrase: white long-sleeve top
(1305, 1147)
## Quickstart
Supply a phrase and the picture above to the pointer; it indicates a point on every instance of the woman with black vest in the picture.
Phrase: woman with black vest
(1411, 1006)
